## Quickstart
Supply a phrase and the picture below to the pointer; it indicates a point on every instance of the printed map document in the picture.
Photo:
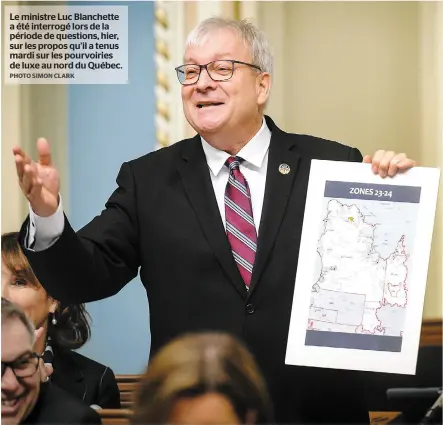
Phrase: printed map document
(362, 268)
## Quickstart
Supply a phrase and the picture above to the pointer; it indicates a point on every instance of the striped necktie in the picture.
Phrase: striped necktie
(240, 226)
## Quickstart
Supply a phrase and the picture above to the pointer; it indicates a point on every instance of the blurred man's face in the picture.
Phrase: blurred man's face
(19, 395)
(225, 107)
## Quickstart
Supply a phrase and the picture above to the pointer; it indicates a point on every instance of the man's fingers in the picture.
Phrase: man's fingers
(30, 177)
(376, 161)
(406, 164)
(44, 152)
(384, 163)
(388, 163)
(20, 166)
(27, 180)
(19, 151)
(49, 369)
(35, 188)
(42, 369)
(367, 159)
(21, 159)
(38, 333)
(393, 164)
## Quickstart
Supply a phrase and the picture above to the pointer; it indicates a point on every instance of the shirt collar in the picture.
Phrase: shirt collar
(253, 152)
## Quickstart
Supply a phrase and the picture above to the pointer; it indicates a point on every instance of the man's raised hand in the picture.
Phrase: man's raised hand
(39, 181)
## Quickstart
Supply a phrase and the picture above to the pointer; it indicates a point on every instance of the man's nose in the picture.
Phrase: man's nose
(10, 382)
(205, 81)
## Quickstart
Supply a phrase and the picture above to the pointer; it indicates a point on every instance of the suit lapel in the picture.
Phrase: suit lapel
(277, 193)
(197, 183)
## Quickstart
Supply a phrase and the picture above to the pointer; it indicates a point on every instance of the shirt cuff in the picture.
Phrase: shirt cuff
(43, 232)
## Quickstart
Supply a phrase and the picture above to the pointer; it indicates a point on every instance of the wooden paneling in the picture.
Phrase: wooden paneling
(382, 418)
(128, 386)
(431, 332)
(115, 416)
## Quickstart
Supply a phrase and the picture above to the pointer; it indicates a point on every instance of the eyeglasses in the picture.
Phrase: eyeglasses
(221, 70)
(23, 367)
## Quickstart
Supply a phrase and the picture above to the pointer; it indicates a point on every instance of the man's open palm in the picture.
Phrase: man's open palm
(39, 181)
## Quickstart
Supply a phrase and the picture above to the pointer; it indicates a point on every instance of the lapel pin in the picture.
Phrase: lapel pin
(284, 168)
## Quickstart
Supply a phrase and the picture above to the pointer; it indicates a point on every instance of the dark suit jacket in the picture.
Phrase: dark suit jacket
(55, 406)
(86, 379)
(163, 217)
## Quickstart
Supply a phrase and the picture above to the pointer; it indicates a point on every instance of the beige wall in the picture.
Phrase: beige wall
(431, 134)
(13, 203)
(28, 112)
(46, 116)
(350, 72)
(367, 74)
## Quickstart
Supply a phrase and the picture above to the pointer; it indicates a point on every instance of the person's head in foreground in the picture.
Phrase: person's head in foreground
(20, 379)
(207, 378)
(67, 326)
(226, 79)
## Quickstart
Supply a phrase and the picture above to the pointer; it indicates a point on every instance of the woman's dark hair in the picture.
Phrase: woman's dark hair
(196, 364)
(72, 329)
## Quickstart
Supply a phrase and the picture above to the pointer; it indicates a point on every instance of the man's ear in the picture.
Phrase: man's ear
(263, 87)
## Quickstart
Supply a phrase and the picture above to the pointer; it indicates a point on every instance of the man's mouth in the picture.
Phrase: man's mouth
(10, 406)
(206, 104)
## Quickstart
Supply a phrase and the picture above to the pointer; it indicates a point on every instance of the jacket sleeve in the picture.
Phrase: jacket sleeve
(355, 155)
(100, 259)
(108, 392)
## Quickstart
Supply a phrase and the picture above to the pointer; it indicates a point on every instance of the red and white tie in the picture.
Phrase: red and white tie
(240, 227)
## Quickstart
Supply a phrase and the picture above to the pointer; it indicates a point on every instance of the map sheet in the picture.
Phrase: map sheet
(361, 277)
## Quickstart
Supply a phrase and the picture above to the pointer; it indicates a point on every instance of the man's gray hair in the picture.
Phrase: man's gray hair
(13, 311)
(253, 38)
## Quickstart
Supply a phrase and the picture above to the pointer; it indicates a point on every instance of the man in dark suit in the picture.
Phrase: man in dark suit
(24, 398)
(213, 222)
(56, 406)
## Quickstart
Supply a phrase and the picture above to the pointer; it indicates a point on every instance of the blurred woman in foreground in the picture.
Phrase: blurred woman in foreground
(208, 378)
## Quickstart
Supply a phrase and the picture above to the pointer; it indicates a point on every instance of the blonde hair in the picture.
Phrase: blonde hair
(196, 364)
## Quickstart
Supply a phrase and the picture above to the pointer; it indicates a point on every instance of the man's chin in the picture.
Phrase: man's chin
(209, 122)
(209, 126)
(10, 420)
(24, 409)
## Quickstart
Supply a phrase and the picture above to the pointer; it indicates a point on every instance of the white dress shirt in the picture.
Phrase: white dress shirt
(254, 166)
(46, 230)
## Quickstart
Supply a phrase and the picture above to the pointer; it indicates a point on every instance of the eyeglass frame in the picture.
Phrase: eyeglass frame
(233, 61)
(6, 365)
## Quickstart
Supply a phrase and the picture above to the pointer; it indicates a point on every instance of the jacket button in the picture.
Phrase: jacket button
(250, 309)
